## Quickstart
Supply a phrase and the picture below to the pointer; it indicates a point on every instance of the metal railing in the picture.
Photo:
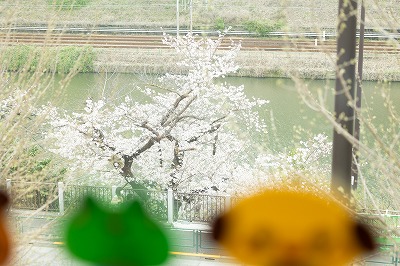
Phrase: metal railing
(164, 205)
(73, 194)
(154, 201)
(33, 196)
(197, 207)
(386, 255)
(53, 197)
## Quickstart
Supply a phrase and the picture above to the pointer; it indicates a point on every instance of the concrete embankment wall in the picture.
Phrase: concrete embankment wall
(377, 66)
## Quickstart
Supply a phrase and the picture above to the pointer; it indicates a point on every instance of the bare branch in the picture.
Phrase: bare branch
(213, 128)
(163, 88)
(175, 120)
(99, 140)
(149, 128)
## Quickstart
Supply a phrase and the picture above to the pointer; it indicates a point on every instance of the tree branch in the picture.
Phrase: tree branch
(162, 88)
(172, 123)
(149, 128)
(214, 126)
(99, 139)
(126, 170)
(144, 148)
(174, 107)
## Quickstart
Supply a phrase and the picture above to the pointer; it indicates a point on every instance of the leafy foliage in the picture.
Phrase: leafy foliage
(63, 60)
(70, 58)
(262, 28)
(27, 160)
(32, 167)
(219, 24)
(16, 58)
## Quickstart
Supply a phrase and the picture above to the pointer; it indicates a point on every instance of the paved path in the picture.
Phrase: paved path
(46, 254)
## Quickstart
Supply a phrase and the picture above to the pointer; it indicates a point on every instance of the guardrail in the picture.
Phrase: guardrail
(323, 34)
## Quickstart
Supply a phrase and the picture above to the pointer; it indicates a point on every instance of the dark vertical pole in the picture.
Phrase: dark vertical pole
(358, 94)
(177, 18)
(345, 83)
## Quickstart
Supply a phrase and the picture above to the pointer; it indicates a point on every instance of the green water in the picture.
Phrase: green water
(285, 112)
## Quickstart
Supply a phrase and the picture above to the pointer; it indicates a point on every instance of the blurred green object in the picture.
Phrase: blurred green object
(127, 236)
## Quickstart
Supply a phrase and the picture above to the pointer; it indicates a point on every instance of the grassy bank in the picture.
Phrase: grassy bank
(252, 63)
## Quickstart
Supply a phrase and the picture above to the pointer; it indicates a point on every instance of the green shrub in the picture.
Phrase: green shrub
(219, 24)
(75, 58)
(262, 28)
(64, 60)
(16, 58)
(68, 4)
(31, 166)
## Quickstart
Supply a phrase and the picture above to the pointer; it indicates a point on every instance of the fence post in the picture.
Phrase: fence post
(8, 189)
(170, 205)
(197, 232)
(113, 191)
(228, 202)
(8, 186)
(61, 198)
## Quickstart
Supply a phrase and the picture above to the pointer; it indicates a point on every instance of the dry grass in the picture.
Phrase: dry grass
(296, 15)
(157, 13)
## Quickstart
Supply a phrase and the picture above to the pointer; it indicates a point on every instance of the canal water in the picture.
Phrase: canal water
(285, 114)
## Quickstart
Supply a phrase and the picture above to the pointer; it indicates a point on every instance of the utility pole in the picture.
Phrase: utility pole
(344, 88)
(358, 96)
(177, 18)
(191, 16)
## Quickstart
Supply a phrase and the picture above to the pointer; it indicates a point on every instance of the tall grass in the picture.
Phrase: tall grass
(162, 13)
(26, 75)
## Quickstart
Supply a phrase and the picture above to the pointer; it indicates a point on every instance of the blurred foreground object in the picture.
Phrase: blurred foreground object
(116, 237)
(4, 235)
(288, 228)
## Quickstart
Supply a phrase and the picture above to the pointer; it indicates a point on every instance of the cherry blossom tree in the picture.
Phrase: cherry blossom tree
(192, 133)
(306, 166)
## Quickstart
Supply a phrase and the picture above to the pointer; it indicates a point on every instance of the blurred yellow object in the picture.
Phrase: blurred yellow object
(290, 228)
